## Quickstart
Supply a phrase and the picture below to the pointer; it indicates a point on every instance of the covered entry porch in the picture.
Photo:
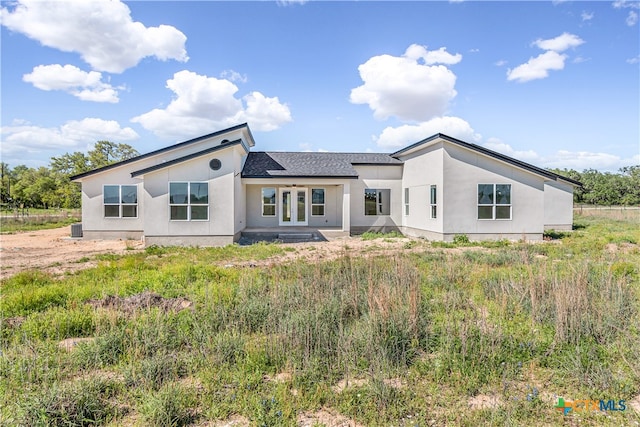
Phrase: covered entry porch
(303, 206)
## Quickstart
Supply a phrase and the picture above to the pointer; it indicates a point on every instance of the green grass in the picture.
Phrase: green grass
(419, 335)
(38, 219)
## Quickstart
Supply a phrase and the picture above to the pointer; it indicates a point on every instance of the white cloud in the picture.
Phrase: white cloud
(581, 160)
(586, 16)
(204, 103)
(401, 136)
(503, 148)
(409, 87)
(234, 76)
(632, 18)
(538, 67)
(84, 85)
(560, 43)
(101, 31)
(634, 60)
(500, 63)
(22, 138)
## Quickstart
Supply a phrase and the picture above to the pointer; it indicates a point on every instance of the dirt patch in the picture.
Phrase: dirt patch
(325, 417)
(484, 401)
(233, 421)
(53, 251)
(635, 404)
(143, 301)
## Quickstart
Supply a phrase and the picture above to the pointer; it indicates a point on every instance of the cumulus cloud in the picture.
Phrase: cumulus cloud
(552, 59)
(410, 87)
(401, 136)
(538, 67)
(87, 86)
(203, 103)
(560, 43)
(101, 31)
(506, 149)
(23, 138)
(632, 18)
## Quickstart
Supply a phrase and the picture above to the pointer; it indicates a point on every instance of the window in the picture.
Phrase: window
(377, 202)
(120, 201)
(494, 201)
(406, 201)
(189, 201)
(433, 202)
(268, 202)
(317, 202)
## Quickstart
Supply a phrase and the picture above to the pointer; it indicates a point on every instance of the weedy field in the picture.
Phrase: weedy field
(435, 334)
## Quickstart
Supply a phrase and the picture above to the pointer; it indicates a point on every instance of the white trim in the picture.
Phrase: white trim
(323, 204)
(294, 221)
(494, 205)
(188, 204)
(275, 203)
(120, 204)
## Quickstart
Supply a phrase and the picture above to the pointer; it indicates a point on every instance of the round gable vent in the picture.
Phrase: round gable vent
(215, 164)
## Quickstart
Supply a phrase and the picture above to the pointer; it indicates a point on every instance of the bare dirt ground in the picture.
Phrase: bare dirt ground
(54, 252)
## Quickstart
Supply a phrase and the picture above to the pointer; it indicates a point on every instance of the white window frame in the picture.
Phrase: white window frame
(120, 203)
(189, 204)
(433, 201)
(274, 204)
(406, 201)
(380, 203)
(494, 204)
(324, 201)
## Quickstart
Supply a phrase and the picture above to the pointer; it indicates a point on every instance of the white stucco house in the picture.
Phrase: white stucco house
(210, 190)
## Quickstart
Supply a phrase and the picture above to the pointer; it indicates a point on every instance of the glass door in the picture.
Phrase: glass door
(293, 206)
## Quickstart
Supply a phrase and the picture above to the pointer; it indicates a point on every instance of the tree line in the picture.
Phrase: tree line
(50, 187)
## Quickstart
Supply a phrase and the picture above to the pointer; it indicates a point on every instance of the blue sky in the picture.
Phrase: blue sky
(555, 84)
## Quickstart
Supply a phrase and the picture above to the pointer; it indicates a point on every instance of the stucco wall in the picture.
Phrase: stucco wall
(558, 205)
(379, 178)
(221, 220)
(463, 171)
(423, 169)
(333, 205)
(93, 219)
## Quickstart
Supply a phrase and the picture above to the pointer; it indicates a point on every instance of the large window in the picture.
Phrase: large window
(377, 202)
(433, 202)
(494, 201)
(317, 202)
(406, 201)
(189, 201)
(120, 201)
(268, 201)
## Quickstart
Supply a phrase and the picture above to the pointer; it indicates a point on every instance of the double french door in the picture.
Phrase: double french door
(293, 206)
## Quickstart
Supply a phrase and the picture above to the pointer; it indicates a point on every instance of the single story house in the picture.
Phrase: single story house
(209, 190)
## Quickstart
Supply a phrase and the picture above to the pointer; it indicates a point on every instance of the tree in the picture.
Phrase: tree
(105, 153)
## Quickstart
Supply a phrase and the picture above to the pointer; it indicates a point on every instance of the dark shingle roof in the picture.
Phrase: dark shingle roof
(276, 164)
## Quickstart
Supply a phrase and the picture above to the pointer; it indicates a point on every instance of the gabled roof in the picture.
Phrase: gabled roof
(490, 153)
(277, 164)
(185, 158)
(166, 149)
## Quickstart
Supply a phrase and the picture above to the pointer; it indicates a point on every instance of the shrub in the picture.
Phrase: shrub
(83, 403)
(172, 405)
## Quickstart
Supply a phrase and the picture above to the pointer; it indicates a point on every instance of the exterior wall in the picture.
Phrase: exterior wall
(463, 170)
(94, 223)
(332, 209)
(379, 178)
(558, 206)
(220, 227)
(423, 169)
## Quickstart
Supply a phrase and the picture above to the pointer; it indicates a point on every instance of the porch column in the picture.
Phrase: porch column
(346, 207)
